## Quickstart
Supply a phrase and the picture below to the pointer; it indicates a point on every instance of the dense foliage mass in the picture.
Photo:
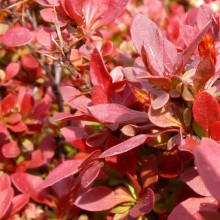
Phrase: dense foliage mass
(109, 109)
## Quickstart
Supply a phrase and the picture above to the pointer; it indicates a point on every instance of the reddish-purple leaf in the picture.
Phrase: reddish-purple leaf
(26, 183)
(132, 143)
(7, 104)
(14, 118)
(215, 131)
(169, 165)
(74, 9)
(12, 70)
(189, 144)
(18, 202)
(205, 110)
(29, 62)
(17, 36)
(99, 75)
(10, 150)
(65, 169)
(6, 196)
(116, 113)
(194, 181)
(126, 145)
(48, 15)
(99, 95)
(186, 210)
(97, 14)
(63, 187)
(144, 204)
(90, 174)
(45, 35)
(5, 182)
(27, 104)
(207, 162)
(72, 133)
(159, 55)
(163, 117)
(100, 198)
(149, 171)
(204, 72)
(160, 101)
(74, 98)
(186, 54)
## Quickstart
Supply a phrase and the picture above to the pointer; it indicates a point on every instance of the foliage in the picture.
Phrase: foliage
(109, 109)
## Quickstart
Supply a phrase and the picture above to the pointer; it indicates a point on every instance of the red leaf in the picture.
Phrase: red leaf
(74, 98)
(12, 70)
(19, 127)
(27, 184)
(44, 36)
(170, 165)
(163, 117)
(116, 113)
(29, 62)
(72, 133)
(207, 162)
(90, 174)
(186, 54)
(6, 196)
(215, 131)
(187, 209)
(126, 145)
(63, 187)
(48, 15)
(204, 72)
(18, 202)
(10, 150)
(100, 198)
(5, 182)
(194, 181)
(99, 75)
(74, 9)
(149, 171)
(205, 110)
(7, 104)
(99, 95)
(27, 104)
(97, 14)
(65, 169)
(144, 204)
(14, 118)
(159, 55)
(17, 36)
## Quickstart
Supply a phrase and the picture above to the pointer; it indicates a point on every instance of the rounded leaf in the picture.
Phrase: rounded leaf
(17, 36)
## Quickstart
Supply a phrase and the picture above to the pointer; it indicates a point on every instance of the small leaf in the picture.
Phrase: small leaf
(10, 150)
(194, 181)
(188, 208)
(65, 169)
(207, 162)
(98, 73)
(6, 196)
(116, 113)
(18, 202)
(163, 117)
(215, 131)
(205, 110)
(90, 174)
(204, 72)
(12, 70)
(100, 198)
(144, 204)
(17, 36)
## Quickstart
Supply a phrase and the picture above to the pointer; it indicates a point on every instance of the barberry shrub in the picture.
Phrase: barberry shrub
(109, 109)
